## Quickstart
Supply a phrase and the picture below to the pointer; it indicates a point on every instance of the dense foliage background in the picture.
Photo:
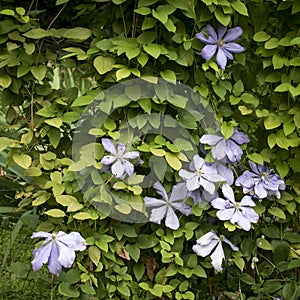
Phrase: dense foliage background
(57, 56)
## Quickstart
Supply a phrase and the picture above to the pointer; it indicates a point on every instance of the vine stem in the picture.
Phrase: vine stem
(52, 286)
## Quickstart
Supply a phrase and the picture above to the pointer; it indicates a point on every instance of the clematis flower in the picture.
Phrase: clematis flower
(221, 42)
(228, 149)
(260, 181)
(164, 208)
(223, 170)
(211, 244)
(118, 158)
(58, 250)
(241, 213)
(202, 175)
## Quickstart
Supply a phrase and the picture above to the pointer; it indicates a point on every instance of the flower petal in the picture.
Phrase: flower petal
(186, 175)
(193, 183)
(210, 139)
(260, 191)
(157, 214)
(128, 167)
(171, 219)
(161, 190)
(233, 34)
(208, 51)
(233, 47)
(108, 145)
(108, 159)
(218, 152)
(228, 192)
(207, 185)
(183, 208)
(234, 248)
(53, 264)
(41, 234)
(66, 255)
(121, 149)
(132, 155)
(203, 38)
(153, 202)
(73, 240)
(118, 169)
(41, 256)
(179, 192)
(247, 201)
(225, 214)
(221, 32)
(198, 162)
(218, 203)
(221, 58)
(210, 30)
(217, 257)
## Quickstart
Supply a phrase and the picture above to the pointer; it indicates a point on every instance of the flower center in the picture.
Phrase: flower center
(220, 43)
(264, 176)
(199, 172)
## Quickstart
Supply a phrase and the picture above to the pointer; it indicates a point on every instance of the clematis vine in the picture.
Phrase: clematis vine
(202, 175)
(164, 208)
(223, 148)
(118, 158)
(240, 213)
(261, 182)
(211, 244)
(58, 250)
(221, 42)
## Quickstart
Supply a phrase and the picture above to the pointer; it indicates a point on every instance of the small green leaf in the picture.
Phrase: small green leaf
(257, 158)
(261, 36)
(104, 64)
(55, 213)
(78, 33)
(23, 160)
(173, 161)
(240, 7)
(94, 254)
(153, 49)
(277, 212)
(37, 33)
(168, 75)
(122, 73)
(39, 72)
(5, 81)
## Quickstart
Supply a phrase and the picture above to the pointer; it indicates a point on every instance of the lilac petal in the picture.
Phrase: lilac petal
(247, 179)
(193, 183)
(132, 155)
(108, 159)
(41, 256)
(153, 202)
(198, 162)
(233, 151)
(207, 185)
(228, 192)
(186, 175)
(233, 47)
(218, 152)
(117, 169)
(179, 192)
(208, 196)
(207, 238)
(260, 191)
(210, 30)
(210, 139)
(205, 249)
(241, 220)
(218, 203)
(221, 32)
(121, 149)
(183, 208)
(157, 214)
(128, 167)
(247, 201)
(207, 40)
(53, 264)
(234, 248)
(171, 219)
(233, 34)
(161, 190)
(227, 53)
(66, 255)
(108, 145)
(252, 215)
(217, 257)
(73, 240)
(221, 58)
(226, 173)
(41, 234)
(208, 51)
(225, 214)
(240, 137)
(253, 167)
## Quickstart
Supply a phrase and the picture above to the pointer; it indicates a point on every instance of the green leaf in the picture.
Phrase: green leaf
(277, 212)
(59, 2)
(261, 36)
(55, 213)
(173, 161)
(264, 244)
(143, 11)
(5, 81)
(94, 254)
(177, 100)
(83, 216)
(104, 64)
(39, 72)
(247, 279)
(133, 251)
(289, 291)
(55, 122)
(271, 43)
(37, 33)
(168, 75)
(139, 271)
(240, 7)
(145, 241)
(122, 73)
(153, 49)
(283, 87)
(238, 88)
(23, 160)
(272, 121)
(78, 33)
(65, 289)
(221, 17)
(257, 158)
(227, 130)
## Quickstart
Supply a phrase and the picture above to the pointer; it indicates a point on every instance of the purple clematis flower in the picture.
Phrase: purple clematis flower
(260, 181)
(228, 149)
(164, 207)
(202, 175)
(221, 41)
(211, 244)
(241, 213)
(223, 170)
(58, 250)
(118, 158)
